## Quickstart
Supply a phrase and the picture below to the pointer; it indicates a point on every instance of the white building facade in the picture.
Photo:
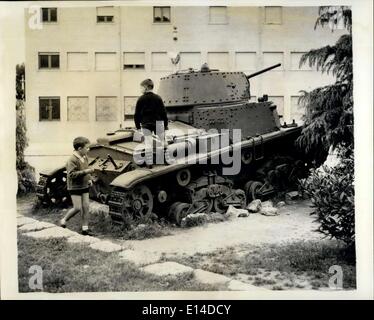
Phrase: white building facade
(84, 65)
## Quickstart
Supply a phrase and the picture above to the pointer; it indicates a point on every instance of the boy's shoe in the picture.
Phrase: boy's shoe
(62, 224)
(87, 233)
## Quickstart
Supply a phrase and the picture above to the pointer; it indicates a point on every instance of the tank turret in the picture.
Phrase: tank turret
(209, 99)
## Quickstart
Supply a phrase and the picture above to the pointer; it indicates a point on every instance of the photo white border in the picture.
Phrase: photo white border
(363, 116)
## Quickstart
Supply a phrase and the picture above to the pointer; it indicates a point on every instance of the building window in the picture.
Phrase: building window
(272, 58)
(49, 14)
(161, 14)
(129, 106)
(49, 108)
(245, 61)
(190, 60)
(77, 108)
(106, 109)
(49, 60)
(77, 61)
(295, 62)
(133, 60)
(279, 102)
(218, 60)
(218, 15)
(273, 15)
(105, 14)
(161, 62)
(105, 61)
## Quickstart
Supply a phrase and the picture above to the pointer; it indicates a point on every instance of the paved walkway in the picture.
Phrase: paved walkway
(146, 261)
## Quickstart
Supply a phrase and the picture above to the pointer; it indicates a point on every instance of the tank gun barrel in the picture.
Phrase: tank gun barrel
(263, 70)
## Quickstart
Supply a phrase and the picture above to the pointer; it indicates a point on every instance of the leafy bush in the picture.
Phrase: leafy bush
(332, 194)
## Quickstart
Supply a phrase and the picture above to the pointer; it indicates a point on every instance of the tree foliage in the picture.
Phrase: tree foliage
(25, 173)
(329, 109)
(329, 124)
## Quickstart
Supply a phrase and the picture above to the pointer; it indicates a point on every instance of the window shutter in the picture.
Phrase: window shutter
(105, 61)
(218, 60)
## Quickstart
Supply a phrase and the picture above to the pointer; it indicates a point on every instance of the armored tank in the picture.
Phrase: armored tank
(221, 149)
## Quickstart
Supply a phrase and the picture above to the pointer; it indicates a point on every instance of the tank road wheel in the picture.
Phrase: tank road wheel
(139, 202)
(52, 190)
(135, 203)
(178, 211)
(252, 190)
(183, 177)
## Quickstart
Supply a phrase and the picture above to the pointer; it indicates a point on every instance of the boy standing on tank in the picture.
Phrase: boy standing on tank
(78, 183)
(150, 116)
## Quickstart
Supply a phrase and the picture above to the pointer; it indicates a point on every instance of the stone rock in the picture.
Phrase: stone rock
(22, 220)
(207, 277)
(268, 209)
(139, 258)
(254, 206)
(105, 246)
(268, 203)
(38, 225)
(280, 204)
(291, 196)
(168, 268)
(232, 211)
(194, 219)
(236, 285)
(82, 239)
(55, 232)
(243, 215)
(216, 216)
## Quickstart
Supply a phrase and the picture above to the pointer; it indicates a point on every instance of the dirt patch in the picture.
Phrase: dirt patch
(292, 224)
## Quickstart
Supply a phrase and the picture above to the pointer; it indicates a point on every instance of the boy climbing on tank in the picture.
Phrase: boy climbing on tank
(78, 183)
(150, 116)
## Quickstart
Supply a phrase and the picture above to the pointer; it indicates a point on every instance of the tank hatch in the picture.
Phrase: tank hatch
(206, 86)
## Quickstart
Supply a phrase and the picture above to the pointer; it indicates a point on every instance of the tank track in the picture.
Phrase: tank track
(52, 189)
(115, 202)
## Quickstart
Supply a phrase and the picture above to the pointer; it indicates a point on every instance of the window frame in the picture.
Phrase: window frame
(274, 23)
(127, 116)
(49, 55)
(115, 69)
(96, 107)
(162, 15)
(50, 118)
(136, 68)
(218, 23)
(105, 19)
(88, 109)
(105, 16)
(69, 55)
(48, 14)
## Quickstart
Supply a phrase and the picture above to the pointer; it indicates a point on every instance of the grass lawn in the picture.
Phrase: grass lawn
(78, 268)
(298, 265)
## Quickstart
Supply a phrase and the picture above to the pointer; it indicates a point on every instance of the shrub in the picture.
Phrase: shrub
(25, 172)
(332, 194)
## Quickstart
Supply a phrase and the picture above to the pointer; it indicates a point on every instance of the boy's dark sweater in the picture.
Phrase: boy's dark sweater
(149, 109)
